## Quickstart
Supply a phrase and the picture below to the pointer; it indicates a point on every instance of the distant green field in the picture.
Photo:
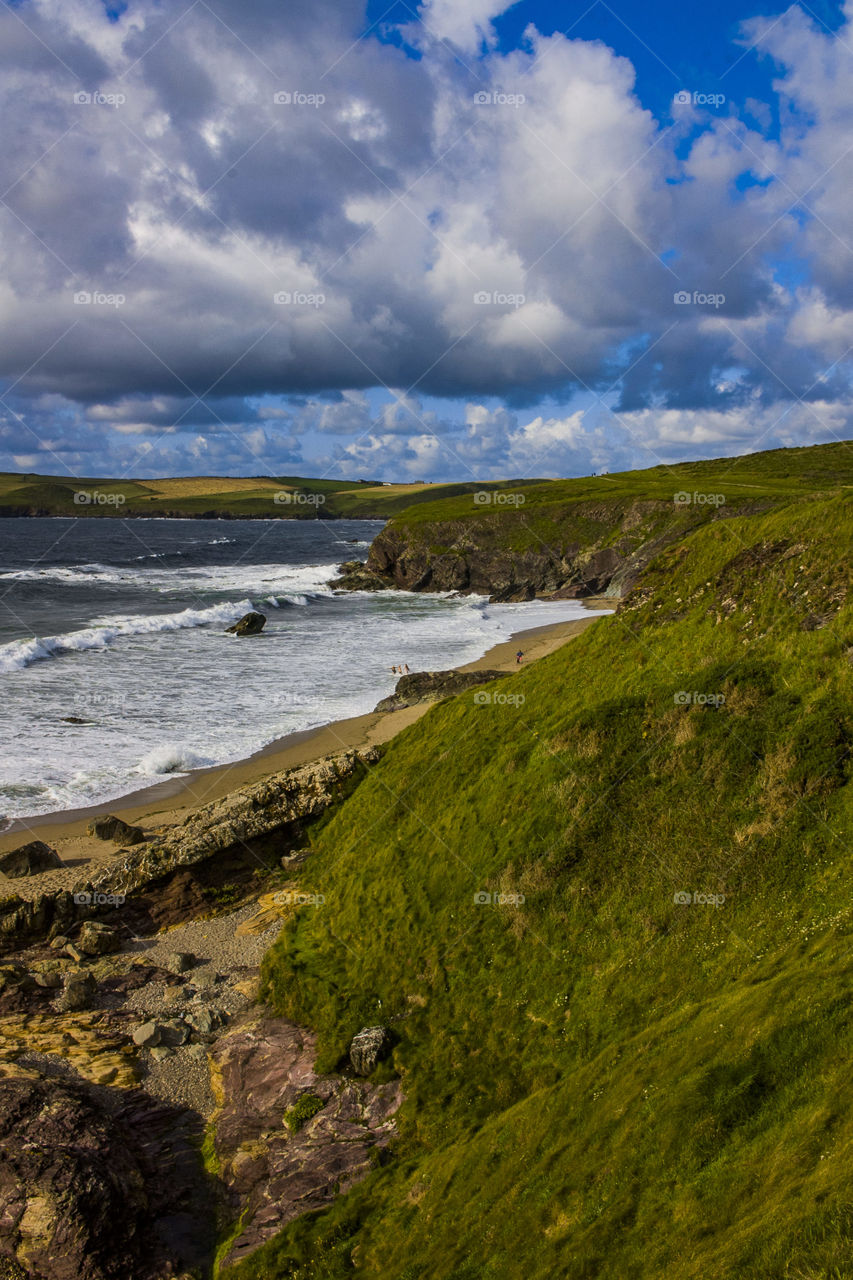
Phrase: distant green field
(256, 497)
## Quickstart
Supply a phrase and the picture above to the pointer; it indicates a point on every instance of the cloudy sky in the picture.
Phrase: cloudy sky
(455, 240)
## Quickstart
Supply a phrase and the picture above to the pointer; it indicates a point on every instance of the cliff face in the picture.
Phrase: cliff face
(572, 550)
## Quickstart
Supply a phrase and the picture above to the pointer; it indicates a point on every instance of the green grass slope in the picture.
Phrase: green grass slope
(603, 1081)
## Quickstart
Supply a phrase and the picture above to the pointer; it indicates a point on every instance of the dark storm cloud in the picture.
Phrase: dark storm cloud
(157, 199)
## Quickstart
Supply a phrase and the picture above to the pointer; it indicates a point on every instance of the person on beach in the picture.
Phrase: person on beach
(393, 671)
(405, 669)
(519, 656)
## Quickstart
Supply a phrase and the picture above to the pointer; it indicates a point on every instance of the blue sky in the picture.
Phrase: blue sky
(453, 240)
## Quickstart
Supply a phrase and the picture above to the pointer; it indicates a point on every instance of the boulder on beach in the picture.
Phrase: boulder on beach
(112, 828)
(251, 624)
(29, 860)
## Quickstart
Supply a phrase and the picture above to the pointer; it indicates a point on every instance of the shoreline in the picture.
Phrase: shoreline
(168, 802)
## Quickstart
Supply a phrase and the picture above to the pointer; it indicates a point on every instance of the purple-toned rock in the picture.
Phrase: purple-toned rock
(273, 1174)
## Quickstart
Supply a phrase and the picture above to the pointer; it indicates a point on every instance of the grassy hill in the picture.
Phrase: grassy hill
(634, 1063)
(258, 497)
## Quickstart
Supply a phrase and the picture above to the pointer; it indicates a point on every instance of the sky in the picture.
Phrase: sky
(449, 241)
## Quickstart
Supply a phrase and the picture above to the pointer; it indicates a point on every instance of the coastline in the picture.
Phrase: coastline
(169, 802)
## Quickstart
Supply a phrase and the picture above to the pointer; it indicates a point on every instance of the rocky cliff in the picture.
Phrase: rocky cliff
(550, 550)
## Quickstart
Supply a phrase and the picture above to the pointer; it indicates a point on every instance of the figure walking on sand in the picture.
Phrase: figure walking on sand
(518, 657)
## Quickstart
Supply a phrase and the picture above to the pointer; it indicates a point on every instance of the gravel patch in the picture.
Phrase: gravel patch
(222, 960)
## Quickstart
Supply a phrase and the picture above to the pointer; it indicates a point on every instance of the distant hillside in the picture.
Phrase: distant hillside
(220, 497)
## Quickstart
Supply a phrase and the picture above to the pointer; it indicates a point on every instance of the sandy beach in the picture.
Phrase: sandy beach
(168, 803)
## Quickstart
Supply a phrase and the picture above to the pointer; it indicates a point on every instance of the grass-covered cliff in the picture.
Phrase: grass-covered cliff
(603, 1080)
(590, 535)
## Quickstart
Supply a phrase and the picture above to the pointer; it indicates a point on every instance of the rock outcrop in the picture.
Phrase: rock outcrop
(280, 802)
(430, 686)
(272, 1173)
(29, 860)
(558, 550)
(251, 624)
(355, 576)
(278, 805)
(97, 1184)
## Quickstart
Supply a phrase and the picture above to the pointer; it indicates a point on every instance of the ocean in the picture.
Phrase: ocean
(115, 669)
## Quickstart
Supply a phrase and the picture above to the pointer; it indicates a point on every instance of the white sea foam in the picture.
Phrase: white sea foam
(171, 758)
(105, 631)
(251, 578)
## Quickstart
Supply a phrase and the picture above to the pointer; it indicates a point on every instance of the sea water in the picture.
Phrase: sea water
(115, 669)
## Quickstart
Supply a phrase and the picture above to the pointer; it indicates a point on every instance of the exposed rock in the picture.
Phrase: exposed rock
(147, 1035)
(89, 1041)
(78, 992)
(112, 828)
(96, 939)
(179, 961)
(83, 1194)
(429, 686)
(251, 624)
(174, 1032)
(273, 1175)
(29, 860)
(581, 549)
(280, 802)
(354, 575)
(23, 920)
(368, 1048)
(203, 1021)
(51, 980)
